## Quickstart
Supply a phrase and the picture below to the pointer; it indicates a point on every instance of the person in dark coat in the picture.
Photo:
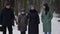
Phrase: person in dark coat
(1, 28)
(0, 20)
(33, 17)
(22, 22)
(7, 16)
(46, 18)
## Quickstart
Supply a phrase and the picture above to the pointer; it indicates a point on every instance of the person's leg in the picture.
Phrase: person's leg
(45, 32)
(49, 32)
(4, 29)
(10, 29)
(23, 32)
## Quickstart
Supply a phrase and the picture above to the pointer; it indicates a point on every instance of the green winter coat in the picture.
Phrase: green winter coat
(46, 20)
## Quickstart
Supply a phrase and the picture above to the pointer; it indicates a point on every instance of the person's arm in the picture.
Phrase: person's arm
(19, 19)
(28, 18)
(13, 16)
(38, 19)
(42, 17)
(1, 16)
(50, 16)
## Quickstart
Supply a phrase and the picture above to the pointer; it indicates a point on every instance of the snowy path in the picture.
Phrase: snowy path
(55, 27)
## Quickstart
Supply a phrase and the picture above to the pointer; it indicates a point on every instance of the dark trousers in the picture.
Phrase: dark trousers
(23, 32)
(9, 29)
(47, 32)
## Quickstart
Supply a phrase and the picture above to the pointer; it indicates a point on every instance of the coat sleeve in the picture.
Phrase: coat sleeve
(50, 15)
(12, 16)
(42, 18)
(1, 17)
(38, 19)
(26, 21)
(28, 18)
(19, 19)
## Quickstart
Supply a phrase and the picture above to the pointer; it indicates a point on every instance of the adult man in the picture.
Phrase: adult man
(7, 16)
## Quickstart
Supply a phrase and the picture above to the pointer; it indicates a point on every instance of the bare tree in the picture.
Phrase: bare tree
(57, 6)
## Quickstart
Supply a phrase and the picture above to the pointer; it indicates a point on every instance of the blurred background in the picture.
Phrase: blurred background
(18, 4)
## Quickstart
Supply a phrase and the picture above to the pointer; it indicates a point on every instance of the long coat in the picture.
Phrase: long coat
(46, 20)
(22, 22)
(7, 16)
(33, 27)
(0, 18)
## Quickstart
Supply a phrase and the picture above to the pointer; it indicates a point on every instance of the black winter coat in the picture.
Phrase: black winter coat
(33, 22)
(0, 18)
(7, 16)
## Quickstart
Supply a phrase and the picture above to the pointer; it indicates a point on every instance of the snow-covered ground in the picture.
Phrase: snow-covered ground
(55, 27)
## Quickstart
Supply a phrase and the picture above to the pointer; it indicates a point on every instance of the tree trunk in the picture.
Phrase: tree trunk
(57, 6)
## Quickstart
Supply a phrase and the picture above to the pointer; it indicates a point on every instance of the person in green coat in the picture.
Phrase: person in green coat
(47, 16)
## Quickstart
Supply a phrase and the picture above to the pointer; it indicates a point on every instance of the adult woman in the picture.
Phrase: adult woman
(46, 19)
(33, 21)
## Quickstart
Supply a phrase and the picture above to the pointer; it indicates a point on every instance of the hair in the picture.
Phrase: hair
(8, 3)
(46, 8)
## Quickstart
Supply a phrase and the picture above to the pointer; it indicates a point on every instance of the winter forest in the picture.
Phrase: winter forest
(54, 5)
